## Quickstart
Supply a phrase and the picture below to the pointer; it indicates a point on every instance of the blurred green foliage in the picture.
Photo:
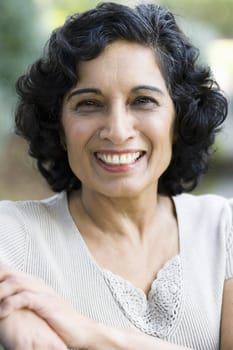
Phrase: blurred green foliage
(18, 37)
(18, 45)
(25, 26)
(215, 13)
(20, 34)
(218, 14)
(71, 6)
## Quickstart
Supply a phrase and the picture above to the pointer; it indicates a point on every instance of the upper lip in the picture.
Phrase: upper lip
(119, 152)
(120, 157)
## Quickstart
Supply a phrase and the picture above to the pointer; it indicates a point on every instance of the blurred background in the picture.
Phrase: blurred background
(25, 26)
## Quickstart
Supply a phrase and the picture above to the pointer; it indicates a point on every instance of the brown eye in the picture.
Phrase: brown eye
(88, 105)
(145, 102)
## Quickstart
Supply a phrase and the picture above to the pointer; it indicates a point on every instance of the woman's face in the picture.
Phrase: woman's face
(118, 122)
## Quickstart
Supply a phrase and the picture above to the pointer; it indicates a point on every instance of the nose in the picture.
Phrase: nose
(119, 126)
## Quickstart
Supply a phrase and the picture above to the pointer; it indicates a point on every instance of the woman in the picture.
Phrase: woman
(121, 120)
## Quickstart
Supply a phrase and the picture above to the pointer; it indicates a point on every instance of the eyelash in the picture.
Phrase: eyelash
(145, 100)
(139, 102)
(89, 104)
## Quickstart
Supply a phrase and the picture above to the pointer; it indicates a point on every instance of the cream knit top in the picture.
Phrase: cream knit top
(184, 303)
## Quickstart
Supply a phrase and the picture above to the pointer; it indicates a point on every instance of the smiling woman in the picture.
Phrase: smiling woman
(121, 120)
(118, 124)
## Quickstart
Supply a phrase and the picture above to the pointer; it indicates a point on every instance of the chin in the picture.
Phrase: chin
(122, 191)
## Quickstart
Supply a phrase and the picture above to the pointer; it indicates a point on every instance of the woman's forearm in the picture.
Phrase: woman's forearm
(75, 330)
(107, 338)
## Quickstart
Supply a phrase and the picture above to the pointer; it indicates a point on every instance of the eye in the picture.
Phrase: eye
(88, 105)
(145, 102)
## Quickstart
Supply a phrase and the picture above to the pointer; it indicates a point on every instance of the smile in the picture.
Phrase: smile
(119, 159)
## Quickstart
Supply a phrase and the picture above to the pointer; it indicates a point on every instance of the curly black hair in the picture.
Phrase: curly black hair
(200, 106)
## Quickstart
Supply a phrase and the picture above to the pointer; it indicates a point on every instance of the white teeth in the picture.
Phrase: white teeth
(116, 159)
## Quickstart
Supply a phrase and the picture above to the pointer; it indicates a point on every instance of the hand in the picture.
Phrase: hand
(23, 330)
(18, 291)
(21, 291)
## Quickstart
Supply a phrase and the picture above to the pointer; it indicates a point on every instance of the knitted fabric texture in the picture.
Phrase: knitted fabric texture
(157, 314)
(185, 301)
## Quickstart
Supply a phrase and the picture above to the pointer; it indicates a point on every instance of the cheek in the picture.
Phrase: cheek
(167, 130)
(159, 132)
(76, 134)
(79, 138)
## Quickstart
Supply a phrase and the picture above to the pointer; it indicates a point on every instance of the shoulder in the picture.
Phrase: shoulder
(229, 210)
(230, 202)
(195, 199)
(207, 204)
(209, 211)
(24, 221)
(21, 210)
(205, 223)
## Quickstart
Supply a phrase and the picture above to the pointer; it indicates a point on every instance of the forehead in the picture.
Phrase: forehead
(121, 62)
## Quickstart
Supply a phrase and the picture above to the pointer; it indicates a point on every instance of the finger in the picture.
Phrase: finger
(10, 287)
(19, 301)
(23, 330)
(12, 282)
(41, 303)
(6, 271)
(58, 315)
(42, 345)
(9, 272)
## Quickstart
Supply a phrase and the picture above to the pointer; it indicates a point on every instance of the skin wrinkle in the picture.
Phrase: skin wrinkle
(135, 219)
(117, 100)
(124, 212)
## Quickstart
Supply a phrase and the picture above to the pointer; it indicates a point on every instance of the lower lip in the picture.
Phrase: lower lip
(119, 168)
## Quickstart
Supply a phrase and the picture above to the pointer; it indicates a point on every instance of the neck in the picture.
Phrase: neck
(119, 216)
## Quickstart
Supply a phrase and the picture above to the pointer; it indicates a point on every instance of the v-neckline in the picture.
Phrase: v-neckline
(164, 304)
(103, 270)
(157, 314)
(146, 297)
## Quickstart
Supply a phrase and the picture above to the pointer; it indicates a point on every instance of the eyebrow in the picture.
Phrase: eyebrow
(83, 91)
(147, 87)
(79, 91)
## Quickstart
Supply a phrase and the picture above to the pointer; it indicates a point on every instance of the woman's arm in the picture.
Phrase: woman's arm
(107, 338)
(24, 330)
(20, 291)
(227, 317)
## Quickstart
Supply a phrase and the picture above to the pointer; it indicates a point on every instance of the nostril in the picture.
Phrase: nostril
(118, 130)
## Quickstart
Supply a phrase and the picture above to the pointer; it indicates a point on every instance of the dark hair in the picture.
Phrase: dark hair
(200, 106)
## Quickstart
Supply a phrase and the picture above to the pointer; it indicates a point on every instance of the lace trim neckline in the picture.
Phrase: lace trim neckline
(157, 314)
